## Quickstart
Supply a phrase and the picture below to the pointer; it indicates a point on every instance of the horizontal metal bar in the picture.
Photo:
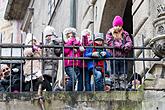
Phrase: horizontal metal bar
(11, 61)
(60, 46)
(77, 58)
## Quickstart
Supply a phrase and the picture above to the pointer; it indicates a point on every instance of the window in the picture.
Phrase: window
(51, 4)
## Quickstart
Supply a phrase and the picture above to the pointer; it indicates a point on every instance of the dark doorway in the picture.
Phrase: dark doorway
(128, 26)
(128, 19)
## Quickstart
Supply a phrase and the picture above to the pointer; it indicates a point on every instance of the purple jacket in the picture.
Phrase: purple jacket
(68, 52)
(122, 47)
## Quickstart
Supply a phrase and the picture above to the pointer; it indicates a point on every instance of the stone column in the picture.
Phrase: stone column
(155, 77)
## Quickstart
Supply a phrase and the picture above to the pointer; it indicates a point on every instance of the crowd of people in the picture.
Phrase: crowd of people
(87, 74)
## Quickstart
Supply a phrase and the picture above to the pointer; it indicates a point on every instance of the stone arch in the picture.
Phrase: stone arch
(113, 8)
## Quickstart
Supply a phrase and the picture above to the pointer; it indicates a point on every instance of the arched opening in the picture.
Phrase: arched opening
(128, 18)
(111, 9)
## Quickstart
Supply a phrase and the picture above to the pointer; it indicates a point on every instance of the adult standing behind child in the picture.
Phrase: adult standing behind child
(120, 40)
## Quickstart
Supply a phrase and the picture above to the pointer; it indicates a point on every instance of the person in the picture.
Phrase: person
(97, 67)
(32, 68)
(5, 71)
(5, 78)
(72, 67)
(121, 42)
(108, 81)
(86, 40)
(135, 82)
(50, 67)
(16, 77)
(10, 79)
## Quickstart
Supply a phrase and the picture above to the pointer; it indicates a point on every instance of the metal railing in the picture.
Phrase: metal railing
(18, 62)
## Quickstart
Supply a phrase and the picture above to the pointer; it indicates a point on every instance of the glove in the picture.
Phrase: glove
(35, 48)
(81, 48)
(103, 53)
(124, 48)
(75, 50)
(95, 54)
(15, 70)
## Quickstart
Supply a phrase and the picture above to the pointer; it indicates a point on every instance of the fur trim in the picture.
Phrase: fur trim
(49, 30)
(69, 30)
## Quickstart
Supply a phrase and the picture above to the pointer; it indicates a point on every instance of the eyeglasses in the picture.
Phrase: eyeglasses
(5, 69)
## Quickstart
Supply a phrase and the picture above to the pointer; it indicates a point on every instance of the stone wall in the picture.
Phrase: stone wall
(144, 13)
(114, 100)
(74, 101)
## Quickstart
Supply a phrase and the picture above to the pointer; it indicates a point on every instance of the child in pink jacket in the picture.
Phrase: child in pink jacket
(72, 67)
(120, 40)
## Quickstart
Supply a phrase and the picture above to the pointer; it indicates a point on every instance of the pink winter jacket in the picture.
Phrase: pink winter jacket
(68, 52)
(126, 42)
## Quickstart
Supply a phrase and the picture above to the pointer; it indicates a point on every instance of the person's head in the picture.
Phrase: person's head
(49, 33)
(117, 25)
(86, 32)
(69, 33)
(30, 39)
(5, 70)
(136, 79)
(99, 38)
(108, 84)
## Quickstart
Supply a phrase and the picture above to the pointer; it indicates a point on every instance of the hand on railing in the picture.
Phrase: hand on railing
(36, 48)
(95, 54)
(81, 48)
(103, 53)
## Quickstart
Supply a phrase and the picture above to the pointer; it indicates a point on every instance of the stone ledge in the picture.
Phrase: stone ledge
(114, 100)
(77, 96)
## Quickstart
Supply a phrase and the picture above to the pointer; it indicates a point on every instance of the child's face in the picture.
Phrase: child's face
(48, 37)
(107, 88)
(70, 35)
(135, 82)
(5, 70)
(117, 29)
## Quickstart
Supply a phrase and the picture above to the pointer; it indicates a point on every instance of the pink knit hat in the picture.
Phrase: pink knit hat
(117, 21)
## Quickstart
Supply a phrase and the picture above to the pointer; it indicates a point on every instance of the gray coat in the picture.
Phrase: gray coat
(50, 67)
